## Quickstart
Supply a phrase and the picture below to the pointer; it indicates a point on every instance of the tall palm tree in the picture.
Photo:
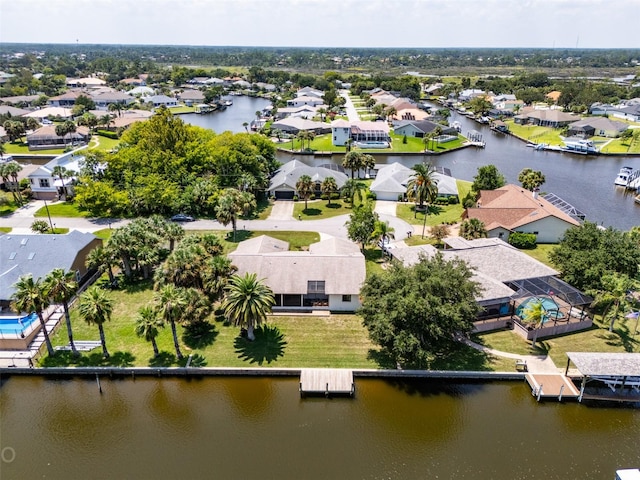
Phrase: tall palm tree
(95, 306)
(247, 302)
(62, 286)
(171, 302)
(11, 170)
(329, 186)
(353, 189)
(368, 162)
(305, 188)
(31, 296)
(353, 161)
(102, 259)
(383, 232)
(173, 232)
(422, 186)
(147, 324)
(233, 203)
(62, 173)
(613, 296)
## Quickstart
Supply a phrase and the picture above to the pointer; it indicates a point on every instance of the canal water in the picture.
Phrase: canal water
(246, 428)
(586, 182)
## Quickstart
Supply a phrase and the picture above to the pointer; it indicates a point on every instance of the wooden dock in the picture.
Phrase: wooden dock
(326, 381)
(551, 385)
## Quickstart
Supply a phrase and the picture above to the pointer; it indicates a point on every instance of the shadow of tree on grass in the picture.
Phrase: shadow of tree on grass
(312, 212)
(93, 359)
(164, 359)
(267, 347)
(199, 335)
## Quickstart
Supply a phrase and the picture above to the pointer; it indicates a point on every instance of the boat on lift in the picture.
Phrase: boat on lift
(623, 177)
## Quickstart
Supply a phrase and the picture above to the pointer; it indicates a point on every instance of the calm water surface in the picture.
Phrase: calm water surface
(249, 428)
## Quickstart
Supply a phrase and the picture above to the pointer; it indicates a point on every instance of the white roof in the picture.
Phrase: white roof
(394, 178)
(289, 174)
(50, 111)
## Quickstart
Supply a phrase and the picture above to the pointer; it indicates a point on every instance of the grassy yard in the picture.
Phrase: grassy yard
(596, 339)
(541, 253)
(7, 205)
(61, 209)
(297, 240)
(319, 209)
(181, 109)
(336, 341)
(534, 133)
(22, 147)
(618, 145)
(103, 144)
(437, 214)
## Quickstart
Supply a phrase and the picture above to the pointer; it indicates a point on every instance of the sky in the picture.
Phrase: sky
(326, 23)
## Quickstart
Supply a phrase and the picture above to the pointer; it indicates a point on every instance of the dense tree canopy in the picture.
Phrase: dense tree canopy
(587, 253)
(488, 178)
(414, 312)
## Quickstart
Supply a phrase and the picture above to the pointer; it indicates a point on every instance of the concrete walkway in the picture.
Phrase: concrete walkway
(535, 363)
(352, 113)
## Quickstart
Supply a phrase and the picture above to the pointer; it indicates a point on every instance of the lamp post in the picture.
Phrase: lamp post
(49, 215)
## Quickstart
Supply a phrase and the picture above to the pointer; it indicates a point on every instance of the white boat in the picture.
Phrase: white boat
(579, 145)
(623, 176)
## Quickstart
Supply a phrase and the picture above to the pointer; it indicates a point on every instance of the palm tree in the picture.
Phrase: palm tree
(368, 162)
(245, 125)
(102, 259)
(171, 303)
(352, 189)
(305, 188)
(62, 173)
(615, 293)
(247, 303)
(31, 296)
(233, 203)
(383, 232)
(62, 286)
(472, 228)
(95, 306)
(422, 186)
(534, 314)
(329, 186)
(10, 170)
(173, 232)
(353, 161)
(147, 324)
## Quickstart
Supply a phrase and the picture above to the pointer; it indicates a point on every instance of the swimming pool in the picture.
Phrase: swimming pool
(17, 325)
(551, 307)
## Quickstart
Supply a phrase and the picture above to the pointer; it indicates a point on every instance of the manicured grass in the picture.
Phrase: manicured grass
(596, 339)
(336, 341)
(61, 209)
(297, 240)
(20, 147)
(5, 229)
(541, 253)
(103, 234)
(181, 109)
(103, 144)
(374, 261)
(7, 205)
(319, 209)
(618, 145)
(437, 214)
(416, 239)
(535, 133)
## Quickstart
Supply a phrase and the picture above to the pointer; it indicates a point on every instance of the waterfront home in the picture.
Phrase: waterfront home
(470, 93)
(38, 254)
(46, 186)
(328, 276)
(191, 96)
(420, 129)
(596, 126)
(46, 137)
(391, 182)
(344, 131)
(509, 280)
(303, 111)
(283, 182)
(53, 112)
(513, 209)
(310, 92)
(545, 118)
(294, 125)
(161, 100)
(305, 100)
(104, 98)
(507, 102)
(413, 114)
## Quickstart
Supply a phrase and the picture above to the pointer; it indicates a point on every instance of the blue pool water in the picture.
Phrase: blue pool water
(16, 325)
(553, 311)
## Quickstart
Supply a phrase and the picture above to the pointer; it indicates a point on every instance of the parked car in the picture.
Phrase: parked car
(181, 217)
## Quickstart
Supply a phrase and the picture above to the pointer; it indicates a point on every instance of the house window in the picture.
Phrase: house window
(335, 138)
(346, 298)
(315, 286)
(44, 183)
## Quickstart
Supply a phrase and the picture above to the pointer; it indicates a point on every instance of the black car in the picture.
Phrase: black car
(181, 217)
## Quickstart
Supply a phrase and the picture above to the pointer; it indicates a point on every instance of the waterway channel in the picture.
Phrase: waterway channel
(246, 428)
(586, 182)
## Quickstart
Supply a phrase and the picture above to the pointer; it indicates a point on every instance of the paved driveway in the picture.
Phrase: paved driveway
(282, 210)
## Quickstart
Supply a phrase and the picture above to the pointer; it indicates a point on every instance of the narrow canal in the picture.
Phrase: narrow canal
(260, 428)
(586, 182)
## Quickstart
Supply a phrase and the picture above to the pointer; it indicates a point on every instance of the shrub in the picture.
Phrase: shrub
(295, 198)
(524, 241)
(108, 134)
(401, 198)
(40, 226)
(453, 200)
(371, 195)
(335, 195)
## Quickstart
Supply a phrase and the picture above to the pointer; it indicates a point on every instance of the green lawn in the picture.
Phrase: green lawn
(297, 240)
(336, 341)
(319, 209)
(61, 209)
(7, 205)
(5, 229)
(618, 145)
(437, 213)
(541, 252)
(20, 147)
(536, 134)
(181, 109)
(596, 339)
(103, 144)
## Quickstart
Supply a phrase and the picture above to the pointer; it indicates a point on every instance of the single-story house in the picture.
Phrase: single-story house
(391, 182)
(303, 111)
(470, 93)
(508, 278)
(435, 89)
(310, 92)
(420, 129)
(628, 112)
(596, 126)
(191, 96)
(53, 112)
(328, 276)
(305, 100)
(46, 186)
(160, 100)
(141, 91)
(297, 124)
(67, 99)
(514, 209)
(410, 114)
(25, 100)
(12, 111)
(546, 118)
(38, 254)
(283, 182)
(89, 82)
(105, 98)
(46, 137)
(128, 117)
